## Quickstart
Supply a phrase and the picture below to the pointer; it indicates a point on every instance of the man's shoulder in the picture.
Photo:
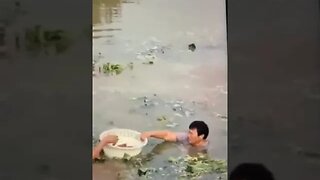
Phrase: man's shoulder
(182, 136)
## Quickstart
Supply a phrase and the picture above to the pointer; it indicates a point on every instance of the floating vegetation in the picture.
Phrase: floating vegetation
(112, 69)
(185, 167)
(166, 122)
(40, 39)
(162, 118)
(180, 110)
(193, 167)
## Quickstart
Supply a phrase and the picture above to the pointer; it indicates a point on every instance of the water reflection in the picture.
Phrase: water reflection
(106, 11)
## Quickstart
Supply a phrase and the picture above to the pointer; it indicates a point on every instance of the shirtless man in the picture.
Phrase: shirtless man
(196, 135)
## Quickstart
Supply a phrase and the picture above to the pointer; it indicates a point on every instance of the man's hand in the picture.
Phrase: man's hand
(95, 153)
(144, 136)
(111, 139)
(164, 135)
(105, 141)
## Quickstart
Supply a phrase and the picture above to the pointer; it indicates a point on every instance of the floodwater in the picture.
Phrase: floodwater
(160, 31)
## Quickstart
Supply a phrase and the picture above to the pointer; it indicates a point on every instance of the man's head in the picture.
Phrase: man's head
(198, 131)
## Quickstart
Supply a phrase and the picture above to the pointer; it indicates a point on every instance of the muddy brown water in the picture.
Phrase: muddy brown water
(140, 31)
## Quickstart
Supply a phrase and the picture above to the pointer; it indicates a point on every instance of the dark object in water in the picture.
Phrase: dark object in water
(162, 118)
(149, 62)
(192, 47)
(101, 159)
(251, 171)
(142, 172)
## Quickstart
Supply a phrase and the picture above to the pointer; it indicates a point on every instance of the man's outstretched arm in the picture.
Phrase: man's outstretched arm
(105, 141)
(164, 135)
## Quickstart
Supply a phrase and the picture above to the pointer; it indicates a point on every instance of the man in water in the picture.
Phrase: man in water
(196, 136)
(109, 139)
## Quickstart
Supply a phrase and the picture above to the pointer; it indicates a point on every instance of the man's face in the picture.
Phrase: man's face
(193, 137)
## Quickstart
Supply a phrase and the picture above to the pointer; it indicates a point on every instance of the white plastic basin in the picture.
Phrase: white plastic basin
(126, 136)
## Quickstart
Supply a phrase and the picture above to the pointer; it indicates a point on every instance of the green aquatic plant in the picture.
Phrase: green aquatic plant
(199, 165)
(162, 118)
(109, 68)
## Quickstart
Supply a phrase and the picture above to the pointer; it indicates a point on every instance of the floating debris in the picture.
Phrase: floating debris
(139, 98)
(192, 47)
(152, 49)
(162, 118)
(142, 172)
(144, 57)
(188, 113)
(179, 102)
(177, 114)
(172, 125)
(221, 116)
(147, 103)
(148, 63)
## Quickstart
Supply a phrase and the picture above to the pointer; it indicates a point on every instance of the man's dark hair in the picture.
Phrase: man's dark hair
(201, 127)
(251, 171)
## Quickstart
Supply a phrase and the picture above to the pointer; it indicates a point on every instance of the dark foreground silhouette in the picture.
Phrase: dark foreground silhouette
(251, 171)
